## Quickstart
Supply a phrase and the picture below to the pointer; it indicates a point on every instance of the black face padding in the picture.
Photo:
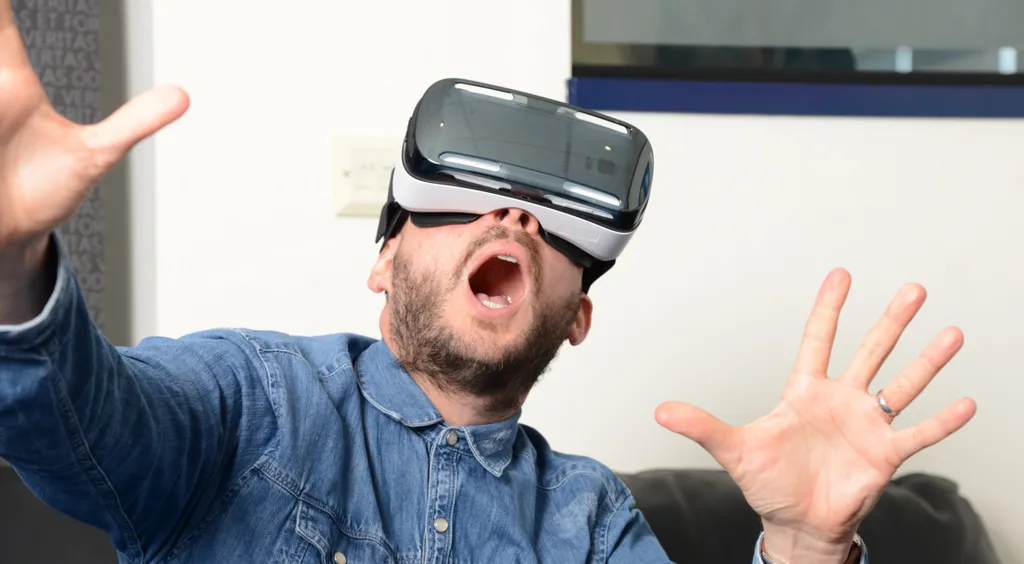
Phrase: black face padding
(393, 217)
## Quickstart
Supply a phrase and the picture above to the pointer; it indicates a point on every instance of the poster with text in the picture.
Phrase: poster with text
(62, 40)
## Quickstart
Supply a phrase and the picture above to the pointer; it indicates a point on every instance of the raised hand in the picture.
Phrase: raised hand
(814, 467)
(47, 163)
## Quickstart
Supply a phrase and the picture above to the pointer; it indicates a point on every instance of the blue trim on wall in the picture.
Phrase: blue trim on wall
(772, 98)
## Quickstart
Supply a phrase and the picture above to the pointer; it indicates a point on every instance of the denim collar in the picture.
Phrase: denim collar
(390, 389)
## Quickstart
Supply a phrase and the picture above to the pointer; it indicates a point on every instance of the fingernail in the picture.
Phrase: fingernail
(912, 292)
(661, 415)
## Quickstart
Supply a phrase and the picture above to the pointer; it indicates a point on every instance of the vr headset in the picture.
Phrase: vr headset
(472, 148)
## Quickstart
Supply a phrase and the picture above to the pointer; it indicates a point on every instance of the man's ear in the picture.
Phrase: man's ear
(380, 275)
(581, 326)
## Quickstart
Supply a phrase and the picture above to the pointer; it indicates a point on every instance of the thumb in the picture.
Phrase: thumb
(714, 435)
(139, 118)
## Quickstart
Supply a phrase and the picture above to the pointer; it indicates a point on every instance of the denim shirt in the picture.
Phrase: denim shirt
(242, 446)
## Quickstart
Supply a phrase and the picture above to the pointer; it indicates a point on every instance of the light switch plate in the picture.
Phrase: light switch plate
(360, 173)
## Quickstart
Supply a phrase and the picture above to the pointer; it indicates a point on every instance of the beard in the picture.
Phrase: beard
(426, 345)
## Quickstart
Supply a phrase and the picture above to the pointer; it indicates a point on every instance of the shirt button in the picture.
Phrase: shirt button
(440, 524)
(339, 558)
(453, 438)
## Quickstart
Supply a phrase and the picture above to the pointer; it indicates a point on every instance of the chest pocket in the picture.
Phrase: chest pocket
(335, 546)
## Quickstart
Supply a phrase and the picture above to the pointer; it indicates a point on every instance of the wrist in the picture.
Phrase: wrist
(786, 545)
(26, 279)
(22, 261)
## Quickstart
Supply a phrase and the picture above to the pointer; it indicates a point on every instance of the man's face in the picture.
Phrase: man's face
(480, 308)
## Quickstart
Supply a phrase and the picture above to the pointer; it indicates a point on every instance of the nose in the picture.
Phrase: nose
(515, 218)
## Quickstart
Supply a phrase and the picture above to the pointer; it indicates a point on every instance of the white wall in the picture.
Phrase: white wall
(748, 216)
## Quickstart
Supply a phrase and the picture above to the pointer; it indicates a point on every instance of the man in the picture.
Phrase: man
(243, 446)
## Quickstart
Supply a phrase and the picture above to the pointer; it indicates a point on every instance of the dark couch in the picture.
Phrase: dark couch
(699, 516)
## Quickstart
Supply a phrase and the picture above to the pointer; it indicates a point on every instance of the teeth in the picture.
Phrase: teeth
(486, 300)
(509, 259)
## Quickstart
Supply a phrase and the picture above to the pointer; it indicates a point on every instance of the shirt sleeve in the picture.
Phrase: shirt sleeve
(628, 538)
(759, 560)
(138, 442)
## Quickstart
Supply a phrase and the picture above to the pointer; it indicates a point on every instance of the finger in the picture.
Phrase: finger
(915, 378)
(909, 442)
(12, 52)
(6, 14)
(820, 330)
(882, 338)
(711, 433)
(134, 121)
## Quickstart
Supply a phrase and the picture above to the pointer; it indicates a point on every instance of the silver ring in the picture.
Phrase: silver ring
(885, 406)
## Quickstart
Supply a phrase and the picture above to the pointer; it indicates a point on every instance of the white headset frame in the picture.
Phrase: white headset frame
(416, 195)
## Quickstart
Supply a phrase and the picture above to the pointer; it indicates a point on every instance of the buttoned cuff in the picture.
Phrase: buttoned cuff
(760, 540)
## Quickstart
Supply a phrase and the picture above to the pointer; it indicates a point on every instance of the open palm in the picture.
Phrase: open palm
(47, 163)
(820, 459)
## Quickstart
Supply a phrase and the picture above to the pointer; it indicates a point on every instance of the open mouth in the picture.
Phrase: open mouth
(498, 282)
